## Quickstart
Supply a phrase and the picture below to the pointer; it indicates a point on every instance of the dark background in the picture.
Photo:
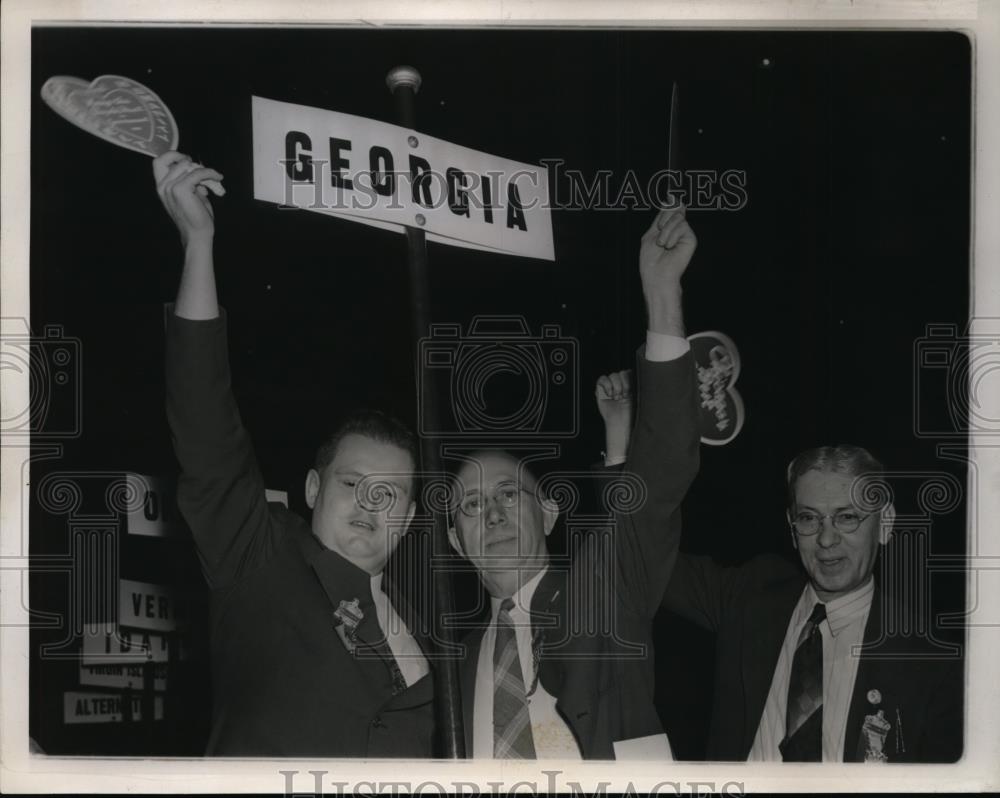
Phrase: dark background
(855, 237)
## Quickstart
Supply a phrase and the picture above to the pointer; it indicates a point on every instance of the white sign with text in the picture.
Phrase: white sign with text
(154, 513)
(80, 707)
(385, 175)
(147, 606)
(120, 675)
(124, 646)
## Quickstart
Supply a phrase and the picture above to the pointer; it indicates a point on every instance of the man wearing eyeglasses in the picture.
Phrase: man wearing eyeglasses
(563, 668)
(815, 664)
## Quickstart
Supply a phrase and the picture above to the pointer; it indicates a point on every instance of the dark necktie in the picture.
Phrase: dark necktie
(804, 714)
(512, 737)
(374, 641)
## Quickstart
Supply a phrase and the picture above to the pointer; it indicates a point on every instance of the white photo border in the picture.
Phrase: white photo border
(21, 772)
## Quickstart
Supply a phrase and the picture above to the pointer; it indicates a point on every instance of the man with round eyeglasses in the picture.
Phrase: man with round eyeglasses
(821, 663)
(837, 540)
(562, 668)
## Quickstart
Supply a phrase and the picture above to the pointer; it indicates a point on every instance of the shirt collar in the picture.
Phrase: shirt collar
(844, 610)
(522, 598)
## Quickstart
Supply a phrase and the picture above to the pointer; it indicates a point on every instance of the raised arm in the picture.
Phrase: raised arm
(664, 254)
(694, 587)
(184, 187)
(220, 490)
(663, 454)
(698, 587)
(616, 403)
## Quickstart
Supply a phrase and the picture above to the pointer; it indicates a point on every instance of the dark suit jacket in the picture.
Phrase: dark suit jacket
(749, 607)
(284, 683)
(603, 678)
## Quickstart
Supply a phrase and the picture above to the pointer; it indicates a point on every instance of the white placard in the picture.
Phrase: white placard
(125, 646)
(147, 606)
(123, 676)
(376, 173)
(80, 707)
(154, 512)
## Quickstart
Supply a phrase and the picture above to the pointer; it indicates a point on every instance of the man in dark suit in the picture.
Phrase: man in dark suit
(809, 662)
(310, 657)
(537, 680)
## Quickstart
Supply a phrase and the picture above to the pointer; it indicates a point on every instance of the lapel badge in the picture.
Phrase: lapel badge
(874, 697)
(873, 734)
(348, 616)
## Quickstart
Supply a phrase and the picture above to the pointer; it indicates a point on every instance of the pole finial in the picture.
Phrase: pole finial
(403, 76)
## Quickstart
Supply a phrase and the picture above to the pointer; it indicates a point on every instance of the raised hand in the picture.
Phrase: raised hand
(615, 403)
(664, 254)
(183, 187)
(667, 247)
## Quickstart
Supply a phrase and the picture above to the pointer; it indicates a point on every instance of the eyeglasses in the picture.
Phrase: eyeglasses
(808, 522)
(507, 495)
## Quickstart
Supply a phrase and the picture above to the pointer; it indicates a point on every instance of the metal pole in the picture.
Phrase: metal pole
(674, 132)
(404, 82)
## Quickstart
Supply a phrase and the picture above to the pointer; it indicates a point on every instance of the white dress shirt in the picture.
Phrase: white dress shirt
(842, 631)
(410, 659)
(553, 738)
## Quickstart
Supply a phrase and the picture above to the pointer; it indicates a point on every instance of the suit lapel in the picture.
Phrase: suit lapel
(547, 605)
(343, 582)
(765, 624)
(469, 667)
(874, 685)
(549, 597)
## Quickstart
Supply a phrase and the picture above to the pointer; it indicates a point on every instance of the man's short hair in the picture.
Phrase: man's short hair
(372, 424)
(842, 459)
(535, 468)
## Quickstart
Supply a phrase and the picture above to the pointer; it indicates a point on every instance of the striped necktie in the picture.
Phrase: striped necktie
(511, 723)
(804, 714)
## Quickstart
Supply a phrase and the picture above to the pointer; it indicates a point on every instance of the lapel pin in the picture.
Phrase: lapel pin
(874, 697)
(348, 615)
(873, 733)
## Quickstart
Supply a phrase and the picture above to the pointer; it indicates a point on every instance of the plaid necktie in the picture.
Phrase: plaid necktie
(511, 723)
(804, 715)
